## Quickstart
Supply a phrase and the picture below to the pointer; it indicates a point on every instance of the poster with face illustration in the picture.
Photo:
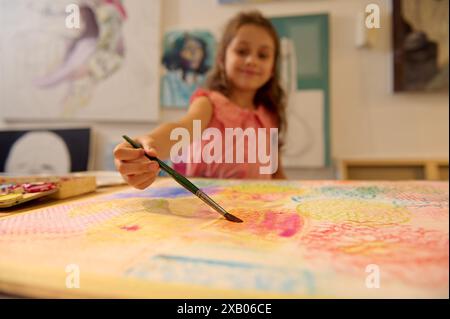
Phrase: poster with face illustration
(187, 57)
(79, 59)
(42, 151)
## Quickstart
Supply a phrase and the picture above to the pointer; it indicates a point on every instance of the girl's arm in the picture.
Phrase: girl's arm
(135, 168)
(279, 174)
(159, 139)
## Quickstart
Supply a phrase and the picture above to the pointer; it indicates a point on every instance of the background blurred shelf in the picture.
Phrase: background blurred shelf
(393, 169)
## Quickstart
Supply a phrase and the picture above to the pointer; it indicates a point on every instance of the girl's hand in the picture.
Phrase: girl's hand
(136, 169)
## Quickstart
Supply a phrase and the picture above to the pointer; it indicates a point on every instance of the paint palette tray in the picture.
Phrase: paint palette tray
(67, 186)
(18, 190)
(13, 199)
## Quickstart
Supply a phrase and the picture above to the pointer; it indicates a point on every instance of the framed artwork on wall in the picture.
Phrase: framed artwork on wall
(187, 57)
(420, 36)
(52, 71)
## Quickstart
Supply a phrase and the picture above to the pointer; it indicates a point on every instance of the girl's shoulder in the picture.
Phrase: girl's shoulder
(214, 96)
(220, 103)
(232, 115)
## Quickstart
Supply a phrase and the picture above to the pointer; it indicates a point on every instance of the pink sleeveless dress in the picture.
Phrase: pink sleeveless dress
(226, 114)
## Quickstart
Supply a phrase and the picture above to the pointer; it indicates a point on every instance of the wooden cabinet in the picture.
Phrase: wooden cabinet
(393, 169)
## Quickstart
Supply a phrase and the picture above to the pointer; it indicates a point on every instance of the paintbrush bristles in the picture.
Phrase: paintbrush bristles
(233, 218)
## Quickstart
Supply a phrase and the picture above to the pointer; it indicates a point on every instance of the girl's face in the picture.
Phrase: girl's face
(249, 58)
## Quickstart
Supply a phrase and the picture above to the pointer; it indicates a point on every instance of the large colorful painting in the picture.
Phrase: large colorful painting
(54, 69)
(298, 239)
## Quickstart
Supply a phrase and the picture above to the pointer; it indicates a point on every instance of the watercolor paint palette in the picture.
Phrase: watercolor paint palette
(67, 186)
(13, 199)
(17, 190)
(14, 194)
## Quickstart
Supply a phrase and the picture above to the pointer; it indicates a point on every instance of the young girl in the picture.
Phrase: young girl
(243, 91)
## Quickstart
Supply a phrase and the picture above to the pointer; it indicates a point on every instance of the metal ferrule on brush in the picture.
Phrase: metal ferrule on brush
(210, 202)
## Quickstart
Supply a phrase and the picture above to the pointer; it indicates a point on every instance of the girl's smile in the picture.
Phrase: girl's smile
(250, 72)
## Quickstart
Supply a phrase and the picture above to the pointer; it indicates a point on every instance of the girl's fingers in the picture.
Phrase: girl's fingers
(149, 149)
(147, 144)
(146, 183)
(125, 153)
(152, 164)
(151, 152)
(141, 181)
(137, 168)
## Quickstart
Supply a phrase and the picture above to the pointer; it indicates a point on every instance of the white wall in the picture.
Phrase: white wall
(367, 119)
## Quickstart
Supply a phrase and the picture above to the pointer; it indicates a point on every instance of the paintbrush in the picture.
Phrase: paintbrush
(183, 181)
